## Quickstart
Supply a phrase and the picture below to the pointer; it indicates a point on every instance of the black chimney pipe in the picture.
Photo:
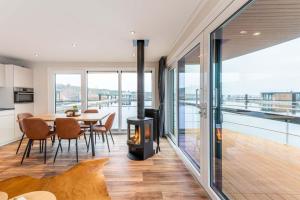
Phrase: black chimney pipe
(140, 79)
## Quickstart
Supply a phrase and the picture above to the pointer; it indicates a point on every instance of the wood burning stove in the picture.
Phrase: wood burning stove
(140, 128)
(140, 138)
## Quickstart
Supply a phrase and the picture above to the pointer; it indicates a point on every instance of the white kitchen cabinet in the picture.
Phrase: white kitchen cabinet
(2, 75)
(21, 108)
(23, 77)
(7, 127)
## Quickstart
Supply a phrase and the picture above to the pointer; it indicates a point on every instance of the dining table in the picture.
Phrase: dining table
(90, 118)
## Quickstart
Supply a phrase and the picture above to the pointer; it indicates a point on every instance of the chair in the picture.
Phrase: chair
(36, 129)
(20, 118)
(106, 128)
(86, 125)
(68, 129)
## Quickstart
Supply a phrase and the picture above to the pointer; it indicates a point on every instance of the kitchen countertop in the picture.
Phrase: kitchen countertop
(4, 109)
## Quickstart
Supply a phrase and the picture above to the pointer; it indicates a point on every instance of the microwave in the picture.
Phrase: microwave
(23, 95)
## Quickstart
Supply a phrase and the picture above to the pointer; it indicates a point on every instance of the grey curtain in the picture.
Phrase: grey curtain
(161, 90)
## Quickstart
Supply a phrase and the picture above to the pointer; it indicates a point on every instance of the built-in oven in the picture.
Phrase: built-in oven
(23, 95)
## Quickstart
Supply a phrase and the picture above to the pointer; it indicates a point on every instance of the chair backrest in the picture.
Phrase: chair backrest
(90, 111)
(20, 118)
(67, 128)
(110, 120)
(35, 128)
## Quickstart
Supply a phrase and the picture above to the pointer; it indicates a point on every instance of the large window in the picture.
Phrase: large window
(255, 89)
(103, 93)
(129, 94)
(106, 91)
(67, 92)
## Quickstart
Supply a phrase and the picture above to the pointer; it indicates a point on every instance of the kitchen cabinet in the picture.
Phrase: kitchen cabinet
(23, 77)
(2, 75)
(21, 108)
(7, 127)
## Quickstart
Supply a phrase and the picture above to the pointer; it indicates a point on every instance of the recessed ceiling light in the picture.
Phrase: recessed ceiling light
(133, 54)
(256, 33)
(132, 32)
(74, 45)
(243, 32)
(36, 55)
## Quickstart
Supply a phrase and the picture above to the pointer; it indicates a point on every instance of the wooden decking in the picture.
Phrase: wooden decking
(255, 168)
(162, 177)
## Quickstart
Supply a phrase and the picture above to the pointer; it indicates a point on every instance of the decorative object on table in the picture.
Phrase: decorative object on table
(74, 112)
(83, 181)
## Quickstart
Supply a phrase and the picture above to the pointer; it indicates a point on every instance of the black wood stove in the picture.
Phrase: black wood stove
(140, 128)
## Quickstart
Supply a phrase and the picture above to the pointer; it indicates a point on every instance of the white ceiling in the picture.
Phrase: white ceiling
(99, 28)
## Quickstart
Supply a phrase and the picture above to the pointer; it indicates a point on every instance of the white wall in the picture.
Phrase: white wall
(43, 85)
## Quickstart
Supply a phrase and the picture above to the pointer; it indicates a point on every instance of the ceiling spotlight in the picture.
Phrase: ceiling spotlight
(132, 32)
(74, 45)
(36, 55)
(256, 33)
(243, 32)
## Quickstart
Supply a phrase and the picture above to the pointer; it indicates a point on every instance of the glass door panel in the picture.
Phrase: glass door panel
(189, 104)
(103, 93)
(172, 103)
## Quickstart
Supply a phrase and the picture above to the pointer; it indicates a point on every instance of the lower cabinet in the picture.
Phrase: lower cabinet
(21, 108)
(7, 127)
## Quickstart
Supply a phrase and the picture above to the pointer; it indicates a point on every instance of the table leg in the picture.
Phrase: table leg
(92, 139)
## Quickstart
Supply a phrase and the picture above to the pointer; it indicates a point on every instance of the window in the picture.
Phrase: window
(172, 102)
(67, 92)
(103, 93)
(255, 110)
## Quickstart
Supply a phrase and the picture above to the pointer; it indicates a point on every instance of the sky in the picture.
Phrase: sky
(274, 69)
(106, 80)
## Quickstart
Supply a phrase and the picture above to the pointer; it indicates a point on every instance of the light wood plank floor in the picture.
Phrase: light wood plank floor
(255, 168)
(163, 176)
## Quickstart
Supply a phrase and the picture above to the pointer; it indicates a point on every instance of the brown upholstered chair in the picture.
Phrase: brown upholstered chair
(103, 129)
(20, 118)
(36, 129)
(86, 125)
(67, 129)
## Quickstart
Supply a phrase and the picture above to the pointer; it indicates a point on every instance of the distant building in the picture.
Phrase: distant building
(280, 96)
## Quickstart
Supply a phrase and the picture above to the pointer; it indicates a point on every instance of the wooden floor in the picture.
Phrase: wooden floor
(255, 168)
(163, 176)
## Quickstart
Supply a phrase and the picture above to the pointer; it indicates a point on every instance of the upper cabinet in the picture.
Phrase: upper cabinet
(2, 75)
(23, 77)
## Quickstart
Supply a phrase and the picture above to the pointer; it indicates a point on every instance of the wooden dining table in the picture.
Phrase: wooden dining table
(91, 118)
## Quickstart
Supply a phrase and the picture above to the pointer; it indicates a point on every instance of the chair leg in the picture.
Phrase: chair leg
(45, 154)
(25, 152)
(95, 134)
(107, 141)
(40, 146)
(89, 142)
(29, 148)
(69, 145)
(85, 139)
(111, 137)
(20, 143)
(53, 139)
(103, 140)
(59, 144)
(76, 150)
(60, 147)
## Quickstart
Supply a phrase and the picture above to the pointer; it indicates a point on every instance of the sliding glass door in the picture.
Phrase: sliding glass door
(189, 104)
(103, 93)
(255, 112)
